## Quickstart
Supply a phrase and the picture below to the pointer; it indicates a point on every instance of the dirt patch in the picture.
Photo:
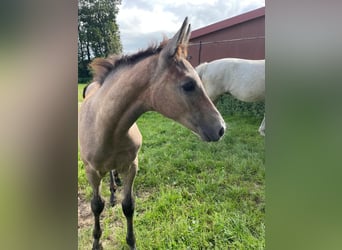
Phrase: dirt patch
(112, 219)
(85, 216)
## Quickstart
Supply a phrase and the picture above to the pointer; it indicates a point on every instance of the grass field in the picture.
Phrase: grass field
(80, 92)
(189, 194)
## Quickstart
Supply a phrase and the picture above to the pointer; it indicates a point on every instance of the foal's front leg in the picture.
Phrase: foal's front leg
(128, 203)
(97, 205)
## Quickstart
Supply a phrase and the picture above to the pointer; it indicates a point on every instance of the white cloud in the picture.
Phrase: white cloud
(146, 21)
(143, 21)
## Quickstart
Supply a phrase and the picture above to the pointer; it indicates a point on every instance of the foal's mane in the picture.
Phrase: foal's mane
(101, 67)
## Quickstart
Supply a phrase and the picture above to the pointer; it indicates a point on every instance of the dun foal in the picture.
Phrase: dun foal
(156, 79)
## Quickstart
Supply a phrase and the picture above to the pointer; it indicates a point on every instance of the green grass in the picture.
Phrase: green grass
(191, 194)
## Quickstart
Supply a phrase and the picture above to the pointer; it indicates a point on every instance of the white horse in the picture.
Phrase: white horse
(243, 79)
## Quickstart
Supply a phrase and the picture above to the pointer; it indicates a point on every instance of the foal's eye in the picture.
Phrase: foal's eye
(189, 86)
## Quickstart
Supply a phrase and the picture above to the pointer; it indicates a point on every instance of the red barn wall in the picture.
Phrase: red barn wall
(242, 40)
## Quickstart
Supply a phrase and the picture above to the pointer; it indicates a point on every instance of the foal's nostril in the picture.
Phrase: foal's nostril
(221, 132)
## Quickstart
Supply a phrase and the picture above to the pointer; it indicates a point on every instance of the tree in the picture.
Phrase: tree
(98, 33)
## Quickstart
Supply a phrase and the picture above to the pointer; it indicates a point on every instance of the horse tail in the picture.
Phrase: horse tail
(85, 91)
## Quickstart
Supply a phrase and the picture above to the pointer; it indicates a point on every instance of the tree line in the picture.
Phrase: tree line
(98, 33)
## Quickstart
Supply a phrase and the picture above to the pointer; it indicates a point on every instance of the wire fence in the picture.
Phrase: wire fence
(226, 41)
(201, 44)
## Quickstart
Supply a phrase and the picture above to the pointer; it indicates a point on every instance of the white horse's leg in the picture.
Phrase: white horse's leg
(128, 202)
(262, 127)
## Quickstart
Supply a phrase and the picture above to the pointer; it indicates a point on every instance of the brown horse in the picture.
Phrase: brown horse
(156, 79)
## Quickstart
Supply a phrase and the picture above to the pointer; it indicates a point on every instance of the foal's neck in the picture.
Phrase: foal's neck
(125, 96)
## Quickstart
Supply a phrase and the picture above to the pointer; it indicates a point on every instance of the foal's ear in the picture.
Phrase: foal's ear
(187, 36)
(178, 44)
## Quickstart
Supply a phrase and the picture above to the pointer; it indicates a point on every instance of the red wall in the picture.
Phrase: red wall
(217, 46)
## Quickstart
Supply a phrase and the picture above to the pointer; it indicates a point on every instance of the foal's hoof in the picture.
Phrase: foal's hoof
(112, 200)
(118, 181)
(131, 244)
(97, 246)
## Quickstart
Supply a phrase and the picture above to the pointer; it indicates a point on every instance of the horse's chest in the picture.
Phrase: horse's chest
(125, 150)
(121, 160)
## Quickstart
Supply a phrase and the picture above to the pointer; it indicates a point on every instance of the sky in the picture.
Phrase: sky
(142, 22)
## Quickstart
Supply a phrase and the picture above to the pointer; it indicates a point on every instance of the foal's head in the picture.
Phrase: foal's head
(177, 91)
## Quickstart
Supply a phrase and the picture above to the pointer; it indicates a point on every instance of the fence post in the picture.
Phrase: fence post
(199, 53)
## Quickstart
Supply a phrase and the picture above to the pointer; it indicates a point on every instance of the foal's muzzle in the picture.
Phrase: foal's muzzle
(214, 133)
